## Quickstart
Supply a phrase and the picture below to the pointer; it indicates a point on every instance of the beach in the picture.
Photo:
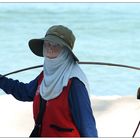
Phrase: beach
(115, 116)
(16, 117)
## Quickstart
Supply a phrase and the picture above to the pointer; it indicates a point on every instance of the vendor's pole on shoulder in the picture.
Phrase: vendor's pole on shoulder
(80, 62)
(24, 69)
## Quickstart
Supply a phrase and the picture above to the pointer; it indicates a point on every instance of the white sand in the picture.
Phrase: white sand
(115, 116)
(16, 119)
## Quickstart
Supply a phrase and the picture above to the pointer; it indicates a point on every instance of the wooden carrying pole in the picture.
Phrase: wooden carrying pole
(81, 62)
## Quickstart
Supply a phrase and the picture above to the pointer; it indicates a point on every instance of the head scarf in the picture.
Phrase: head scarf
(57, 72)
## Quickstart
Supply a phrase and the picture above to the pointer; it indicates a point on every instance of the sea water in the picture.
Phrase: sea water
(105, 32)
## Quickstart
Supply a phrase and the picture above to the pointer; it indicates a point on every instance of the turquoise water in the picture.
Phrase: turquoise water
(105, 32)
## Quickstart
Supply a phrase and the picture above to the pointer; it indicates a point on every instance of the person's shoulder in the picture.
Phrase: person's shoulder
(76, 81)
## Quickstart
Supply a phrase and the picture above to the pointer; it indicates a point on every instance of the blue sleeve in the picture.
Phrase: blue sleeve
(21, 91)
(81, 109)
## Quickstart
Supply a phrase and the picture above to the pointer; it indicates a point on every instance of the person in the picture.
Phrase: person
(138, 93)
(62, 87)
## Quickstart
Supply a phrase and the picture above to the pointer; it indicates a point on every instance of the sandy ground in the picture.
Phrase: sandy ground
(115, 116)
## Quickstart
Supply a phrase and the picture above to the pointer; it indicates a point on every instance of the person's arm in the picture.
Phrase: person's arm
(21, 91)
(81, 109)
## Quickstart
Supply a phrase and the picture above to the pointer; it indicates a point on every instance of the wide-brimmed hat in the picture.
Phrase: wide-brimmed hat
(59, 34)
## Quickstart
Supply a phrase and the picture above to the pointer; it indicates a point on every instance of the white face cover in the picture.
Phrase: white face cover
(57, 72)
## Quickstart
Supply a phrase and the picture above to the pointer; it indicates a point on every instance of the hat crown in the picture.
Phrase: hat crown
(63, 33)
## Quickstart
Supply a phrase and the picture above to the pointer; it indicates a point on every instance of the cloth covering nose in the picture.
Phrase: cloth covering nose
(57, 73)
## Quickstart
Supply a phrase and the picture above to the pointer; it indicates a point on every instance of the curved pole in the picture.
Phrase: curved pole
(136, 130)
(110, 64)
(81, 62)
(24, 69)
